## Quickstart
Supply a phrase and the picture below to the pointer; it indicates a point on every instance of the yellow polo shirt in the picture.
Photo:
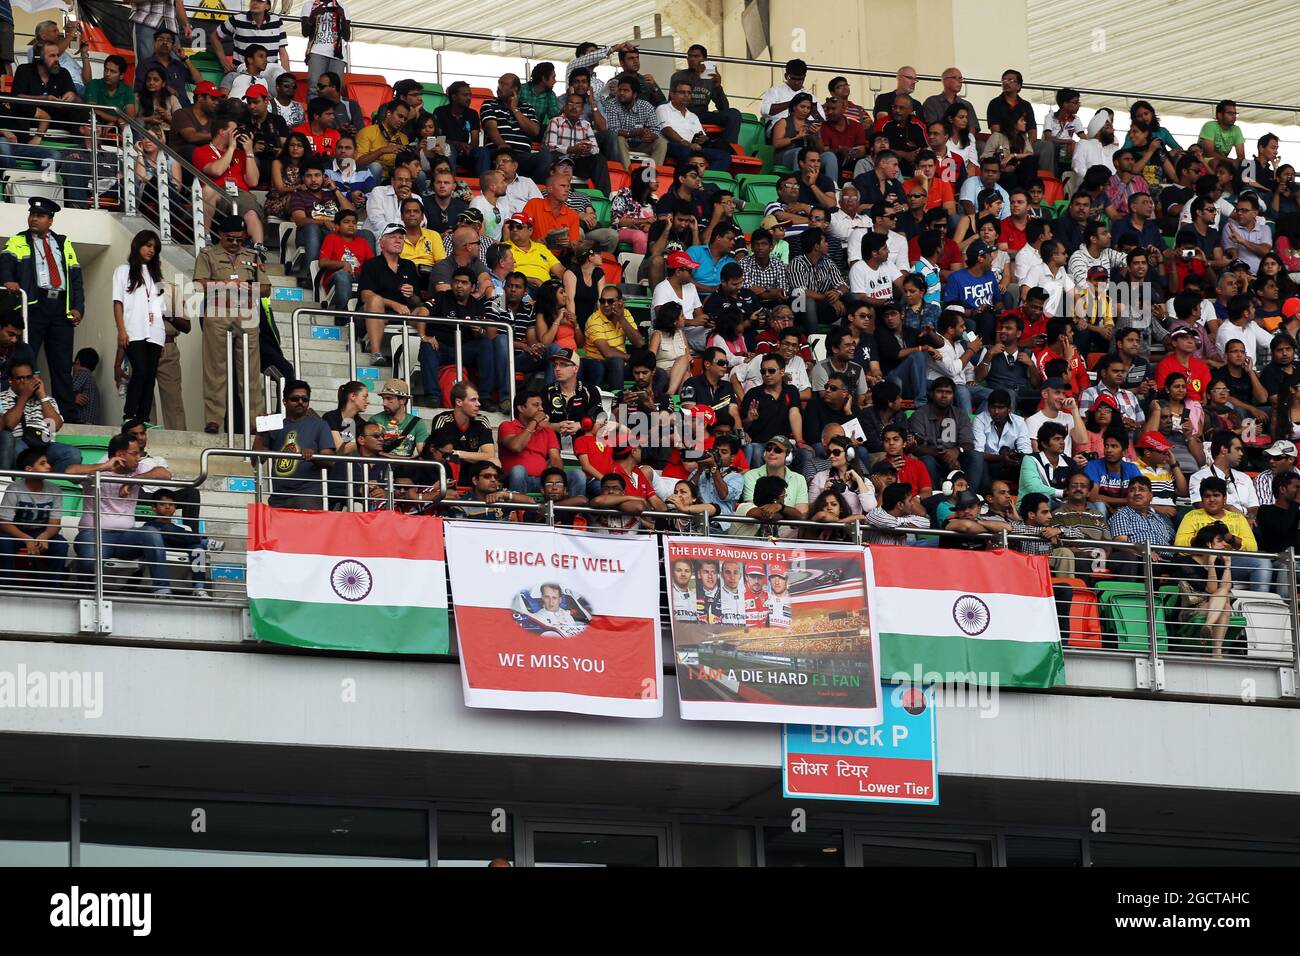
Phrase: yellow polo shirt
(426, 250)
(374, 137)
(536, 264)
(599, 328)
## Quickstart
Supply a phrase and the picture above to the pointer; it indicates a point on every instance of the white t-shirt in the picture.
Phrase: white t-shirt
(1026, 261)
(493, 218)
(967, 153)
(1056, 286)
(323, 42)
(1040, 419)
(777, 94)
(749, 375)
(689, 299)
(873, 283)
(243, 80)
(1067, 130)
(849, 231)
(1256, 340)
(687, 125)
(896, 242)
(143, 308)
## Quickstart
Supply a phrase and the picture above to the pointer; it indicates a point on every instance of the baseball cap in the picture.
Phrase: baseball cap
(1281, 449)
(680, 260)
(967, 499)
(755, 567)
(470, 217)
(1105, 399)
(976, 249)
(391, 228)
(781, 440)
(1098, 272)
(563, 355)
(207, 88)
(521, 217)
(1154, 441)
(562, 161)
(256, 91)
(397, 387)
(778, 569)
(1238, 264)
(1180, 330)
(1290, 306)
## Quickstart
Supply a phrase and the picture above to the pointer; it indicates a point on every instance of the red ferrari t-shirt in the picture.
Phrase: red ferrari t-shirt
(1197, 372)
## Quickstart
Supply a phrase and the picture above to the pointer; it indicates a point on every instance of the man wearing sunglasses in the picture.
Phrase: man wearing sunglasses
(609, 330)
(295, 483)
(712, 387)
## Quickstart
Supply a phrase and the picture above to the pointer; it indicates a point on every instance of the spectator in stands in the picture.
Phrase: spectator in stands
(529, 448)
(706, 89)
(44, 265)
(764, 275)
(539, 94)
(177, 536)
(608, 331)
(389, 285)
(510, 124)
(568, 134)
(459, 123)
(379, 143)
(1214, 507)
(254, 71)
(1098, 148)
(85, 403)
(519, 190)
(1247, 236)
(465, 432)
(1141, 520)
(632, 209)
(1279, 521)
(421, 245)
(990, 172)
(342, 255)
(116, 507)
(646, 86)
(348, 118)
(313, 208)
(1001, 440)
(384, 204)
(110, 90)
(155, 103)
(771, 409)
(441, 208)
(319, 128)
(227, 161)
(29, 418)
(817, 281)
(1281, 457)
(458, 301)
(762, 498)
(684, 132)
(287, 175)
(1226, 452)
(553, 215)
(30, 515)
(843, 478)
(139, 310)
(284, 104)
(403, 432)
(533, 259)
(633, 122)
(465, 245)
(777, 100)
(326, 26)
(165, 55)
(1221, 139)
(259, 27)
(346, 420)
(355, 183)
(296, 483)
(567, 400)
(899, 509)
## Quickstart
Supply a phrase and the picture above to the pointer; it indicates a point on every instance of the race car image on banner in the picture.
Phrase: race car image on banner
(768, 632)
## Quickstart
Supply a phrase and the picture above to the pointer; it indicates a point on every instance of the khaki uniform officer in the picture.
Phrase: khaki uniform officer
(234, 282)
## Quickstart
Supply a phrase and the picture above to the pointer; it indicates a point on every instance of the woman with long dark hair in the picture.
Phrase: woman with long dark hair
(632, 207)
(286, 174)
(554, 321)
(138, 310)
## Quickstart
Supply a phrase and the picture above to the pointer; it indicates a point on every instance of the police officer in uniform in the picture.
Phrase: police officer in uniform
(44, 265)
(234, 282)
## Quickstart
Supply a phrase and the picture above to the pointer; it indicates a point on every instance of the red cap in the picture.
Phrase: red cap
(1155, 441)
(755, 567)
(1098, 272)
(523, 217)
(1106, 399)
(256, 91)
(778, 569)
(1290, 306)
(208, 88)
(680, 260)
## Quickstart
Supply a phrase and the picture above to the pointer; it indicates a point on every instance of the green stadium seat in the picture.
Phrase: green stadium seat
(749, 221)
(432, 100)
(432, 87)
(766, 153)
(724, 180)
(757, 196)
(1123, 607)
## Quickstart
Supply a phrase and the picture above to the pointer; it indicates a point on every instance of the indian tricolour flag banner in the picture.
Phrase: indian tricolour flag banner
(348, 581)
(549, 619)
(960, 613)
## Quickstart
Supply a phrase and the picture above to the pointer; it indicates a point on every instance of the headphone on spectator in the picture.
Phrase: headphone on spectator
(789, 456)
(946, 488)
(850, 453)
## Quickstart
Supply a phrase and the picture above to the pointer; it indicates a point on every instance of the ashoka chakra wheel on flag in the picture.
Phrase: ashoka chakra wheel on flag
(971, 614)
(351, 580)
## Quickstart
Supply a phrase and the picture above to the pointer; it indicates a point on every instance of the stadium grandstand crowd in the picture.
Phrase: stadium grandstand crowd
(904, 316)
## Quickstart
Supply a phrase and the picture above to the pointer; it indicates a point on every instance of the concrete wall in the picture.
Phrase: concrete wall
(211, 696)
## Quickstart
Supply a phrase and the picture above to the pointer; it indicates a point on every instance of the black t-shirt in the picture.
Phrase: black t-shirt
(584, 403)
(1005, 116)
(885, 104)
(444, 306)
(1172, 196)
(443, 220)
(1239, 387)
(1277, 528)
(1272, 377)
(824, 184)
(445, 431)
(347, 429)
(377, 277)
(866, 351)
(745, 303)
(676, 240)
(671, 203)
(773, 412)
(697, 389)
(818, 415)
(1138, 372)
(456, 130)
(888, 346)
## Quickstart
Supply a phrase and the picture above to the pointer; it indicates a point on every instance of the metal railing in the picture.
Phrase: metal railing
(401, 325)
(1113, 598)
(80, 160)
(527, 50)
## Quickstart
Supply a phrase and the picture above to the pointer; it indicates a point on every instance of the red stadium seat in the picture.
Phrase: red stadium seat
(619, 178)
(740, 163)
(370, 97)
(477, 94)
(1083, 624)
(612, 267)
(302, 93)
(369, 79)
(665, 183)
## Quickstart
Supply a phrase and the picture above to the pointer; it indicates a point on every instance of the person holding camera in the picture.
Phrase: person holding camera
(720, 484)
(842, 478)
(226, 161)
